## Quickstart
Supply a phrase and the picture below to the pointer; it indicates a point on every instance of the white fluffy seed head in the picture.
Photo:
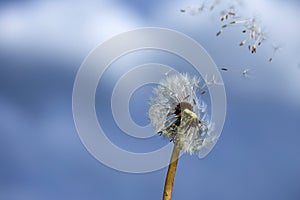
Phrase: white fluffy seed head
(177, 112)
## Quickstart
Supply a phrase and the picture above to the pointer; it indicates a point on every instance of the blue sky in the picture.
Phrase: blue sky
(42, 45)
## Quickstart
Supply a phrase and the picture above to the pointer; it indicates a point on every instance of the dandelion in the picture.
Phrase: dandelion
(251, 26)
(211, 81)
(214, 4)
(244, 73)
(275, 49)
(179, 115)
(193, 10)
(227, 13)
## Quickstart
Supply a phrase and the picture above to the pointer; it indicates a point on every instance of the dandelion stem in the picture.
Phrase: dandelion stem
(171, 172)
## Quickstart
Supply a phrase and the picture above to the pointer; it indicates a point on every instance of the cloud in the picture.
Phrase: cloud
(75, 26)
(72, 29)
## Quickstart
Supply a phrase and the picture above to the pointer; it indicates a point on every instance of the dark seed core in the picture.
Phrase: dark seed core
(180, 108)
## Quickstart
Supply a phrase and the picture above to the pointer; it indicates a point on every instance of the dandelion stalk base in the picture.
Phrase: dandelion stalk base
(171, 172)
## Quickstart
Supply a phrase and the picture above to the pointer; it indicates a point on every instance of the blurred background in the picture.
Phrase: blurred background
(42, 45)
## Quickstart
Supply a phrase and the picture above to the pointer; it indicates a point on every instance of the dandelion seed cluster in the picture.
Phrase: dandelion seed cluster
(178, 114)
(251, 26)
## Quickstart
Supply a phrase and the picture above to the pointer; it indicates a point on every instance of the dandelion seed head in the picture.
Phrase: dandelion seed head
(177, 112)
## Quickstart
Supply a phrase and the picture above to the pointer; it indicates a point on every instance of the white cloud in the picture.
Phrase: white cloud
(62, 25)
(77, 27)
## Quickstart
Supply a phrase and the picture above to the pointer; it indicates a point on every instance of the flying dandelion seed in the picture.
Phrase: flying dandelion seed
(211, 81)
(178, 114)
(275, 49)
(244, 73)
(202, 7)
(214, 4)
(224, 69)
(227, 13)
(252, 27)
(193, 10)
